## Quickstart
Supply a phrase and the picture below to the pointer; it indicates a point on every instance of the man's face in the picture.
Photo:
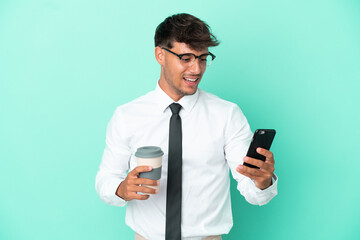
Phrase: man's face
(178, 78)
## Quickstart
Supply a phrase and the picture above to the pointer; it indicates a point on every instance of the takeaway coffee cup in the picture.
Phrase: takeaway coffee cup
(150, 156)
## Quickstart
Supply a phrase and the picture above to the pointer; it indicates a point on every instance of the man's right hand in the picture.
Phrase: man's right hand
(129, 188)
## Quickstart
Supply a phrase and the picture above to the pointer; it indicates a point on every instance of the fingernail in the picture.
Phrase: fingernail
(158, 182)
(240, 167)
(156, 191)
(149, 168)
(245, 159)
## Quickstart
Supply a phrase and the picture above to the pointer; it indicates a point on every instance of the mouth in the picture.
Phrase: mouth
(191, 81)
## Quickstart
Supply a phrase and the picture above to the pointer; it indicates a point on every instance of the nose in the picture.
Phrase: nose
(195, 67)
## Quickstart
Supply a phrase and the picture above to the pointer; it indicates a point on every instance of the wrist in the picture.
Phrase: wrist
(263, 185)
(119, 192)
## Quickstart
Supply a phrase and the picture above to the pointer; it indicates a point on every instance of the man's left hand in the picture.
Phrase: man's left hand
(262, 177)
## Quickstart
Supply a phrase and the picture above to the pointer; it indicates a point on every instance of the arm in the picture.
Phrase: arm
(114, 164)
(112, 183)
(237, 140)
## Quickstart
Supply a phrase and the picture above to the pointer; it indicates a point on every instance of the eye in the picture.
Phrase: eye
(186, 58)
(204, 58)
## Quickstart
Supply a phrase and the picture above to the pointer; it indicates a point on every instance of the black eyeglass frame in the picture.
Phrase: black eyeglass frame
(181, 55)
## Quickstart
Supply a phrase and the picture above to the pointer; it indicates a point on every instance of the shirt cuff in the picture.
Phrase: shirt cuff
(110, 196)
(264, 196)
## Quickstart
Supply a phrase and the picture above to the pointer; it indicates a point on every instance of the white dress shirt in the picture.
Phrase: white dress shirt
(216, 137)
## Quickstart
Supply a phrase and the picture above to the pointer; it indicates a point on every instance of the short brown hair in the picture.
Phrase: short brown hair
(187, 29)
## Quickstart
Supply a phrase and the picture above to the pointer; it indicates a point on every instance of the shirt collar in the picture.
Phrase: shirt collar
(187, 102)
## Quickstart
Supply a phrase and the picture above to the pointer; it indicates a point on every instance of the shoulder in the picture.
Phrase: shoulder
(215, 102)
(222, 112)
(139, 104)
(217, 106)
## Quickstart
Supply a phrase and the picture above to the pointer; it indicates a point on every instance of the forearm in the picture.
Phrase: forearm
(114, 164)
(254, 195)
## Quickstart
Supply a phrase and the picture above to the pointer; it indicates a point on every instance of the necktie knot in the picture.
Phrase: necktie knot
(175, 108)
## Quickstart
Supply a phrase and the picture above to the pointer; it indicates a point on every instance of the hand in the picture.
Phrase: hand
(129, 188)
(262, 177)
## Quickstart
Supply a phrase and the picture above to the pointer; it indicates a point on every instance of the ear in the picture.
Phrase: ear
(160, 55)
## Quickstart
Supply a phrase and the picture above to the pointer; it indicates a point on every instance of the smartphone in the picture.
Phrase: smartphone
(262, 138)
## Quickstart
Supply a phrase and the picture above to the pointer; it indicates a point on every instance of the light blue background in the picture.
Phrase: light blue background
(66, 65)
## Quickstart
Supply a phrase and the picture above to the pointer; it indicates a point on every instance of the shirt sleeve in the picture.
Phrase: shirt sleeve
(237, 140)
(115, 162)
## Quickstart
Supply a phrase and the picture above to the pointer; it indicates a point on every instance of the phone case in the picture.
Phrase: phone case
(262, 138)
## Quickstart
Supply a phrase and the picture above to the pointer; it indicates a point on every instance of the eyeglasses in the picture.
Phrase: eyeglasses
(188, 59)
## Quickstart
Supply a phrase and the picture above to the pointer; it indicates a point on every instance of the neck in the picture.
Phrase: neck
(168, 89)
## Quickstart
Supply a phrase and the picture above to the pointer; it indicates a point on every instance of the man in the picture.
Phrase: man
(214, 136)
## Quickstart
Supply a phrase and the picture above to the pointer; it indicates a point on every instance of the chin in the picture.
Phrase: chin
(190, 92)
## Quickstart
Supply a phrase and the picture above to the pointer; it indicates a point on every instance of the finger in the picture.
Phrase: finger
(144, 189)
(135, 172)
(138, 196)
(268, 154)
(264, 152)
(249, 171)
(259, 163)
(254, 175)
(241, 171)
(254, 161)
(144, 181)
